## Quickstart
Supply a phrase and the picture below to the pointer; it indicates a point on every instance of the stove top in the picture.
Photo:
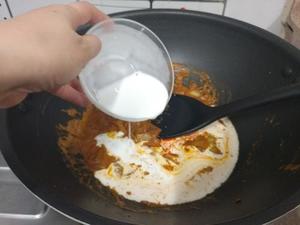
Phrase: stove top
(19, 207)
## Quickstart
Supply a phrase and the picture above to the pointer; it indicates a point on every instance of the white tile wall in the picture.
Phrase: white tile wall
(126, 3)
(115, 9)
(263, 13)
(21, 6)
(112, 6)
(4, 13)
(211, 7)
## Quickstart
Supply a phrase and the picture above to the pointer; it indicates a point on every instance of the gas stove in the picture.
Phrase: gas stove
(17, 205)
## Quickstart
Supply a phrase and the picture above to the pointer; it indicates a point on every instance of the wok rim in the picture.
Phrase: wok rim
(83, 216)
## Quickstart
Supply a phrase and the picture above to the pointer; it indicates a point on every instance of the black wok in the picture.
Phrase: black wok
(242, 60)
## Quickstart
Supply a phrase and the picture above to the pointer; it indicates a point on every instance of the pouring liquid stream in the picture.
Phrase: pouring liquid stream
(129, 130)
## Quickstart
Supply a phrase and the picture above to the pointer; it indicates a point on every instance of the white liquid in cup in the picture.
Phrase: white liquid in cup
(136, 97)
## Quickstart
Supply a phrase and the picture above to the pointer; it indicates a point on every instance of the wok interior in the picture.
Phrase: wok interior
(240, 63)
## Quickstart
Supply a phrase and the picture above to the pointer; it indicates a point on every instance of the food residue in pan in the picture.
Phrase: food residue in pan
(292, 167)
(143, 168)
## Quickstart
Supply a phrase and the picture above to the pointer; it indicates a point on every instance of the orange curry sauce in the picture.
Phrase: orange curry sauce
(77, 137)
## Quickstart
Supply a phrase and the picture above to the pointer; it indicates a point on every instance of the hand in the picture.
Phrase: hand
(40, 51)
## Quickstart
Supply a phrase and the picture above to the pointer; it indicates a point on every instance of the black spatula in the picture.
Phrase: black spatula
(184, 114)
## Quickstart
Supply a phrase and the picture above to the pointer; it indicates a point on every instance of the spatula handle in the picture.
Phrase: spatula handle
(287, 92)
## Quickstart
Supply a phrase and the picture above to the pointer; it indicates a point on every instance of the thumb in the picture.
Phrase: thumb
(91, 46)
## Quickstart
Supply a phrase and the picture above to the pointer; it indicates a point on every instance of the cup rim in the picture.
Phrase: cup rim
(153, 37)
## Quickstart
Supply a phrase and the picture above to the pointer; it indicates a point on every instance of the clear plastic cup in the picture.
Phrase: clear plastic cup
(132, 76)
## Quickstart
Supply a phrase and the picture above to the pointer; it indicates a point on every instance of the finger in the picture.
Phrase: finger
(76, 85)
(90, 47)
(69, 94)
(12, 99)
(83, 13)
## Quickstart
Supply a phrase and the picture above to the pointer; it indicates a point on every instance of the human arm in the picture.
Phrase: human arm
(40, 51)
